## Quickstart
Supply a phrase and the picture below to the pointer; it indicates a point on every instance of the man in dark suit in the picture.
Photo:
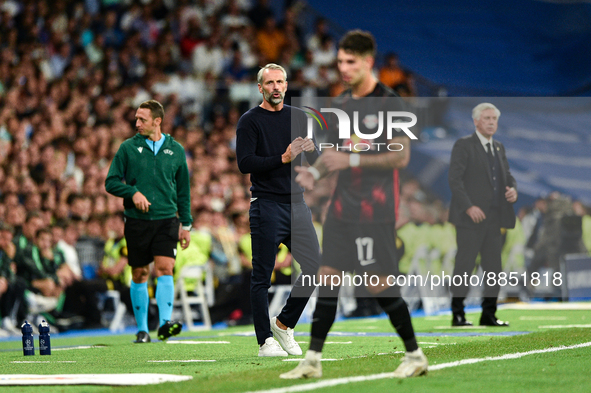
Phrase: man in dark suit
(483, 193)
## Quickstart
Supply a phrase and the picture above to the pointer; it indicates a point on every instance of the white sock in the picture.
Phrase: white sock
(313, 355)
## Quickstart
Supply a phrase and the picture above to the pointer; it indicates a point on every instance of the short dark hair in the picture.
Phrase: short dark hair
(358, 42)
(33, 214)
(4, 227)
(42, 231)
(155, 107)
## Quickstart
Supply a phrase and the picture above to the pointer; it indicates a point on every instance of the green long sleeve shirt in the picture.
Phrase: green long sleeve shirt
(163, 178)
(31, 265)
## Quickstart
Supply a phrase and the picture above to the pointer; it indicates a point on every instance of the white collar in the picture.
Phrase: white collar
(485, 141)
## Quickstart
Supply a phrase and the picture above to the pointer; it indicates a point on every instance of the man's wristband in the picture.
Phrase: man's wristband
(354, 160)
(187, 227)
(314, 172)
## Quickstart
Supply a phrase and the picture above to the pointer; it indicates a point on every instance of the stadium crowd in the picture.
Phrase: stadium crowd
(72, 74)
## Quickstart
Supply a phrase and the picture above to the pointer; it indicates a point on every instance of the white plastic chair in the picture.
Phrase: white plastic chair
(186, 299)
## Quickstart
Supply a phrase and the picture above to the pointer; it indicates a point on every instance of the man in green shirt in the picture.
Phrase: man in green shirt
(156, 188)
(13, 306)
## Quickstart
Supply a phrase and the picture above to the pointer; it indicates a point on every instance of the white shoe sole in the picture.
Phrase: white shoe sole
(261, 355)
(278, 335)
(308, 372)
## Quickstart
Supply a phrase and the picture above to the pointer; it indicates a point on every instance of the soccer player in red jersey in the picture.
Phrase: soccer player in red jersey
(359, 231)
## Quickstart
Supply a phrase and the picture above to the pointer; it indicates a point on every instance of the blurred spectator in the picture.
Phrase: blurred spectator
(114, 273)
(111, 32)
(532, 223)
(260, 13)
(393, 76)
(234, 19)
(247, 46)
(89, 247)
(208, 58)
(38, 265)
(59, 61)
(555, 238)
(326, 53)
(271, 41)
(192, 37)
(13, 305)
(65, 235)
(314, 39)
(585, 213)
(32, 224)
(235, 71)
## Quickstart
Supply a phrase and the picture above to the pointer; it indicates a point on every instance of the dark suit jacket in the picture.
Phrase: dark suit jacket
(471, 184)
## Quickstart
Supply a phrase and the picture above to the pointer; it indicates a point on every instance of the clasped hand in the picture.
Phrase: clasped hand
(296, 147)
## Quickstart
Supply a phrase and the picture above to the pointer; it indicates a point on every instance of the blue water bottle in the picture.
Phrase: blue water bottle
(28, 343)
(44, 340)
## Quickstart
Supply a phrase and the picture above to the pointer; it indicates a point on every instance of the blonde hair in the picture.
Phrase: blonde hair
(270, 66)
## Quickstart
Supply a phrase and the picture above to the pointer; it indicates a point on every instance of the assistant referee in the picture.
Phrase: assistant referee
(156, 189)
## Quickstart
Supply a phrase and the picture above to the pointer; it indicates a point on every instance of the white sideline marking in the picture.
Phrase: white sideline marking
(326, 383)
(365, 320)
(505, 357)
(244, 334)
(548, 306)
(353, 357)
(180, 361)
(542, 318)
(322, 360)
(328, 342)
(198, 342)
(436, 318)
(90, 379)
(563, 326)
(79, 347)
(43, 361)
(427, 343)
(448, 327)
(362, 378)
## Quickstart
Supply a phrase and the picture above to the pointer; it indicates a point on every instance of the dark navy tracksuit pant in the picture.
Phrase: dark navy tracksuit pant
(273, 223)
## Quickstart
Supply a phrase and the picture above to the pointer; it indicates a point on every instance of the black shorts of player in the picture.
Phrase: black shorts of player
(149, 238)
(360, 247)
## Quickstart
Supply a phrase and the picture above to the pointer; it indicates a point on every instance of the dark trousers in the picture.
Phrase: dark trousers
(486, 240)
(273, 223)
(13, 303)
(81, 299)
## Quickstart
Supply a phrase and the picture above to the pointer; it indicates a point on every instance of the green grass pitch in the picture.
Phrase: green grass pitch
(238, 369)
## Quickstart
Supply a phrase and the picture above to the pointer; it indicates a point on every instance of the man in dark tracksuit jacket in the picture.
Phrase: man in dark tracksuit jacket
(269, 138)
(156, 188)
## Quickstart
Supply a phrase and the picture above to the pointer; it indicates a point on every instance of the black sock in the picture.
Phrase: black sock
(397, 310)
(322, 320)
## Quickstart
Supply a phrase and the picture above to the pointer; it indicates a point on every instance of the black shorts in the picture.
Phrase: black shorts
(360, 247)
(147, 238)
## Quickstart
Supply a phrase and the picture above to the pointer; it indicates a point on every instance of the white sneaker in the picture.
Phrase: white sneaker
(271, 348)
(39, 303)
(310, 367)
(285, 338)
(413, 364)
(9, 326)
